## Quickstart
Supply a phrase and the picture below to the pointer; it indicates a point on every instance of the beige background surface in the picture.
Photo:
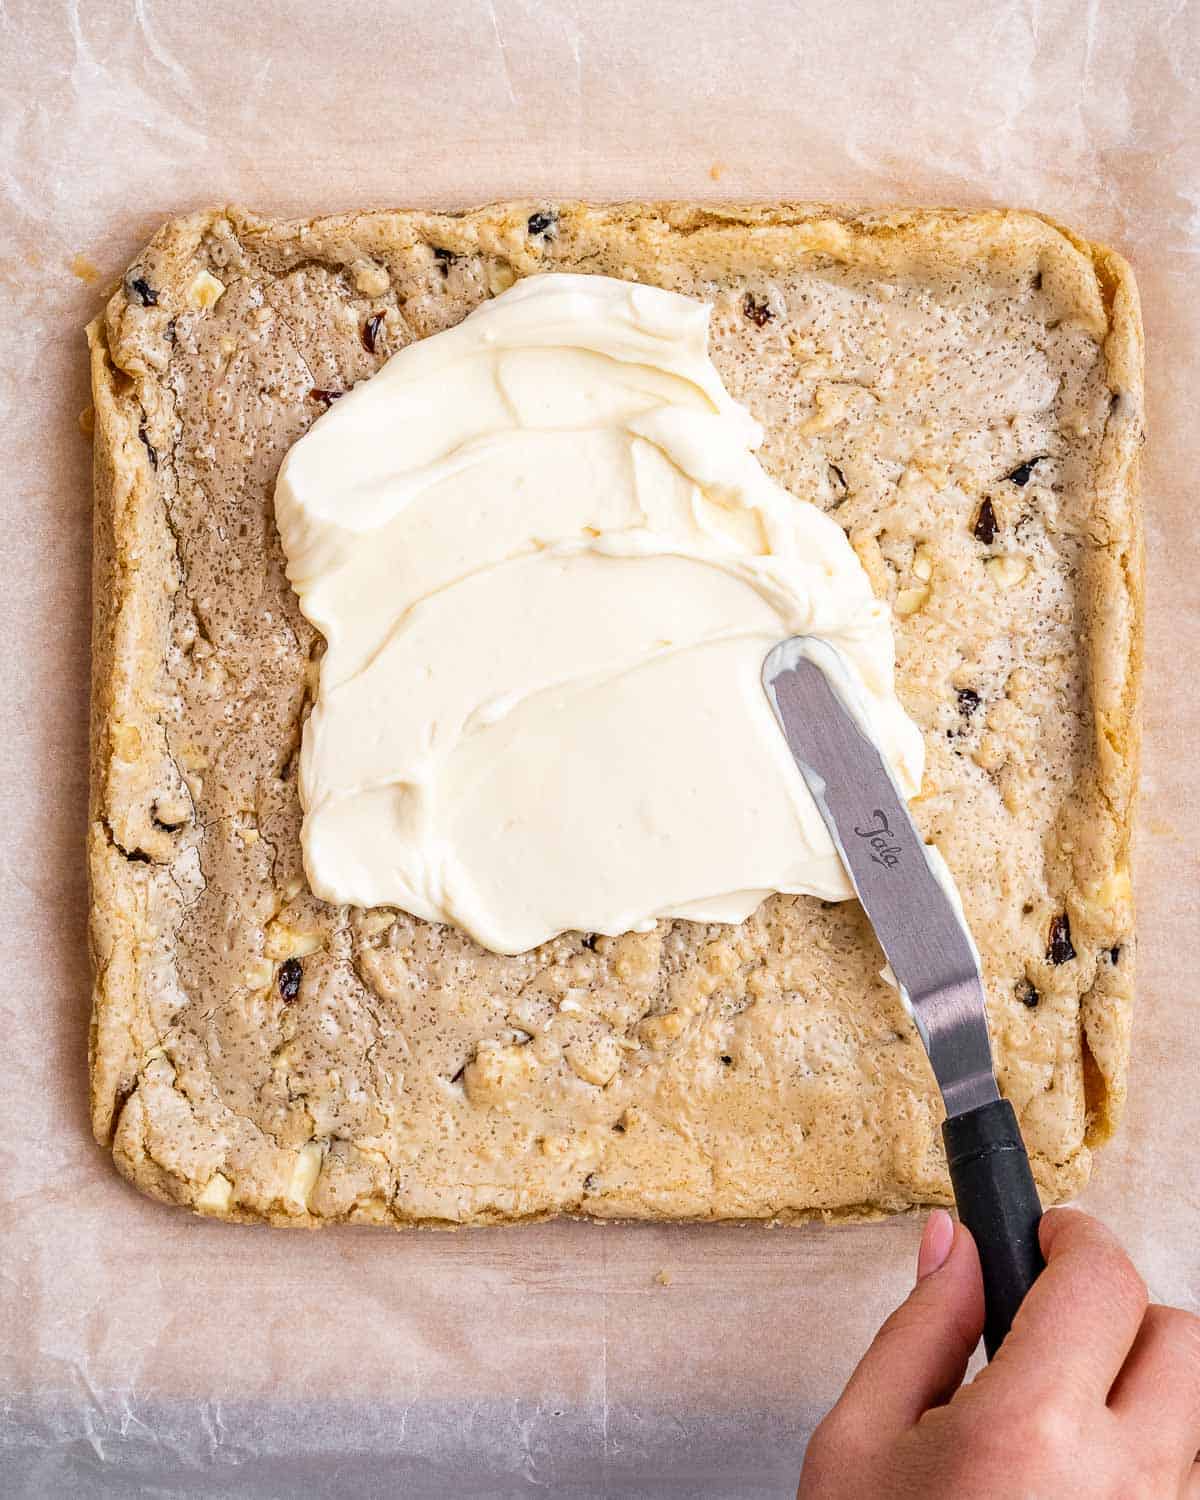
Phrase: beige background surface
(148, 1353)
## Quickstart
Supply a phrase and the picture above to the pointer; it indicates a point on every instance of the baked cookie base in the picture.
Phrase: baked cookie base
(963, 392)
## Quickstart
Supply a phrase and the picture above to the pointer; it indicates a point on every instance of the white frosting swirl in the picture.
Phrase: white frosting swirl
(548, 567)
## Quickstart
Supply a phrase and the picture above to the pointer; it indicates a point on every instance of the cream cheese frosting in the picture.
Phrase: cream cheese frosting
(548, 566)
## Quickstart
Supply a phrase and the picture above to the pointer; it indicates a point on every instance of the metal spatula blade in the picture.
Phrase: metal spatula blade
(925, 940)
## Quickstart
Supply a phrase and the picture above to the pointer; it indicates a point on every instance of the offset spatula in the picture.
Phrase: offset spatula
(924, 938)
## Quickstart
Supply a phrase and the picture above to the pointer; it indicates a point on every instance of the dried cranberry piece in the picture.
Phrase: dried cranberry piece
(290, 971)
(1021, 474)
(1027, 994)
(985, 527)
(1060, 949)
(757, 311)
(542, 223)
(327, 397)
(146, 294)
(968, 701)
(370, 331)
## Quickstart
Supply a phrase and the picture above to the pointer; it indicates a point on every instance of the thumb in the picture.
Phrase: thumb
(920, 1355)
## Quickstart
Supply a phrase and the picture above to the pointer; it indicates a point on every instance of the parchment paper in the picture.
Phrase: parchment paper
(149, 1353)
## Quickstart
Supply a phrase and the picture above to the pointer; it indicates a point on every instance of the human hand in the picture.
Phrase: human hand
(1092, 1394)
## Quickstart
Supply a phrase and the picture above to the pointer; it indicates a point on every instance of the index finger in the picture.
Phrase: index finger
(1081, 1316)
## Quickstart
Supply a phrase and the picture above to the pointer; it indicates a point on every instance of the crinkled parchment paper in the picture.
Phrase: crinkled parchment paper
(148, 1353)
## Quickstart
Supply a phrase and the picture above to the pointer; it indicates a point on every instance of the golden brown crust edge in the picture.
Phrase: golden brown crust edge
(1116, 643)
(1114, 635)
(135, 572)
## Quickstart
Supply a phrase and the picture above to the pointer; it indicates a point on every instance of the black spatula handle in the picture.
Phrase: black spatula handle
(997, 1201)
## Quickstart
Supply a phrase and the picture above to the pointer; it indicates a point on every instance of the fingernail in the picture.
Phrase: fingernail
(935, 1243)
